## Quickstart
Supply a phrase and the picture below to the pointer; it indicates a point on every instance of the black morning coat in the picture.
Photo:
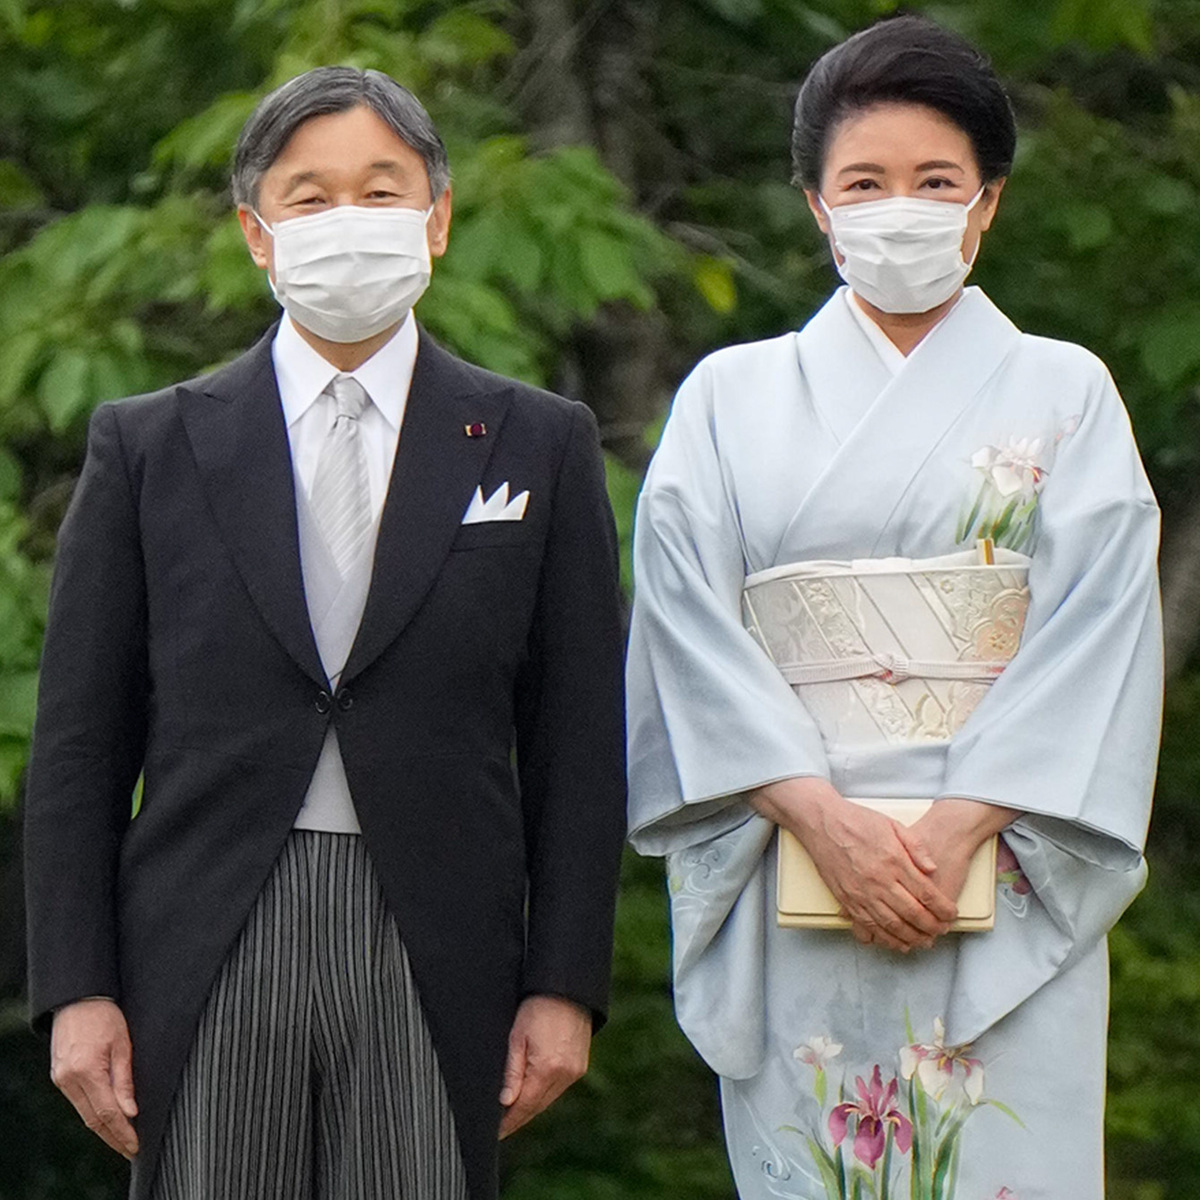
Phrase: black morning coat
(179, 645)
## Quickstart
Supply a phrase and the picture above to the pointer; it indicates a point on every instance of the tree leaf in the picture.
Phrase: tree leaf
(608, 267)
(11, 475)
(1168, 196)
(715, 282)
(63, 388)
(207, 139)
(17, 190)
(12, 13)
(22, 354)
(1088, 226)
(18, 702)
(1170, 344)
(464, 38)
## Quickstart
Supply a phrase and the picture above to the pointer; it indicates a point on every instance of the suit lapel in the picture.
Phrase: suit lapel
(235, 424)
(436, 471)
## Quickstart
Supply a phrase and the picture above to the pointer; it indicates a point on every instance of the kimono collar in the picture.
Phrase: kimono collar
(889, 353)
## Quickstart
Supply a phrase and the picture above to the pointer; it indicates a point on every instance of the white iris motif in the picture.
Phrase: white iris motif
(947, 1073)
(1014, 468)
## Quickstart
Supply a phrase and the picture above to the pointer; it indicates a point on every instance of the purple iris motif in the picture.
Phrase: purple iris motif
(873, 1111)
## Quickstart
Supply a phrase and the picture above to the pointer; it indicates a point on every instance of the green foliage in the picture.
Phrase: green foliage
(1153, 1120)
(623, 488)
(23, 587)
(541, 241)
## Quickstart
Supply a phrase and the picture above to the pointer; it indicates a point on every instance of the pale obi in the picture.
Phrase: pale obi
(890, 651)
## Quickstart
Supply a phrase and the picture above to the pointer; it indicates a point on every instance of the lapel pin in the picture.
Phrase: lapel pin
(475, 429)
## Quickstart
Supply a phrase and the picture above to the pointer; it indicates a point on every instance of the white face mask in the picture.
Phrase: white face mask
(902, 254)
(348, 273)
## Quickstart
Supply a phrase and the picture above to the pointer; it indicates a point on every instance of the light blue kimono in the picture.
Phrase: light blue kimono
(823, 445)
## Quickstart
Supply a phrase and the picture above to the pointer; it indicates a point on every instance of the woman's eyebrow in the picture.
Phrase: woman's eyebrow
(864, 166)
(940, 164)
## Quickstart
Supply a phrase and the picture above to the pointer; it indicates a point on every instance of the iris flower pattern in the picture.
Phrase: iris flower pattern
(946, 1073)
(899, 1138)
(872, 1112)
(1010, 478)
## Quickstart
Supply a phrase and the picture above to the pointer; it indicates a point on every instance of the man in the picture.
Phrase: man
(321, 601)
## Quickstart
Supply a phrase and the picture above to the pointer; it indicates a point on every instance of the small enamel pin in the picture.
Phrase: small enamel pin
(475, 429)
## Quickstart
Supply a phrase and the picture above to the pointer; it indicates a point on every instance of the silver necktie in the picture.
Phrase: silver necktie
(341, 496)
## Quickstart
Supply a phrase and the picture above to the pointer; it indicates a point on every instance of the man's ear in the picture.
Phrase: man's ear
(257, 238)
(439, 224)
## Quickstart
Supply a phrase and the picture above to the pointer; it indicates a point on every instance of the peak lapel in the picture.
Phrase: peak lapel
(436, 471)
(235, 424)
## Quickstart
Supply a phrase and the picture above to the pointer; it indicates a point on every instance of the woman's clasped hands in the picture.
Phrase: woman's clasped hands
(896, 884)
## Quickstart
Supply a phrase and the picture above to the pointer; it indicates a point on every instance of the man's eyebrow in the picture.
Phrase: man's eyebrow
(392, 166)
(301, 177)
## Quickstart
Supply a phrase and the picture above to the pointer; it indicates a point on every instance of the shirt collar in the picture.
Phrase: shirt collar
(303, 374)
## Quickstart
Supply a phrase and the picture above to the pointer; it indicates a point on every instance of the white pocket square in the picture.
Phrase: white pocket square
(498, 507)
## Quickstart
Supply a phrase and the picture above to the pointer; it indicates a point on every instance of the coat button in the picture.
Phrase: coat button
(345, 701)
(323, 703)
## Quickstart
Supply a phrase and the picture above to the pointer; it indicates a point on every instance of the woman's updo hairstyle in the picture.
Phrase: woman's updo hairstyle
(908, 60)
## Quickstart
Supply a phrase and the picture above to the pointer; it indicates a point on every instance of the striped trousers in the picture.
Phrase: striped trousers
(312, 1075)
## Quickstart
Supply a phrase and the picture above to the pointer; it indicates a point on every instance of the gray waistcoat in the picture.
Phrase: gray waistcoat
(335, 608)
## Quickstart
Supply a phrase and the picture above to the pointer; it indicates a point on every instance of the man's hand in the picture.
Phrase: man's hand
(879, 872)
(547, 1052)
(91, 1063)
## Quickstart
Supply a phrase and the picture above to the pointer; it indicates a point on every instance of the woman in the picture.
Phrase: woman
(908, 421)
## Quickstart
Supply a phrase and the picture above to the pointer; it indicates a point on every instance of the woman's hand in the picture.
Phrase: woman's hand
(880, 873)
(952, 830)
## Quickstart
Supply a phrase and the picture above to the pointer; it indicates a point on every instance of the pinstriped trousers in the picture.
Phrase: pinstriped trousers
(312, 1075)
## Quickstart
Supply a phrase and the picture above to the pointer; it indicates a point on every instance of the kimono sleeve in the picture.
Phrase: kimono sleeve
(1069, 733)
(709, 716)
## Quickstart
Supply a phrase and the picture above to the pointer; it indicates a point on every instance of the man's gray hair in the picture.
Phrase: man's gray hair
(318, 93)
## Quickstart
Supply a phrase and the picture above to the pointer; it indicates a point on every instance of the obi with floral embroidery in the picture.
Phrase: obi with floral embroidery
(891, 650)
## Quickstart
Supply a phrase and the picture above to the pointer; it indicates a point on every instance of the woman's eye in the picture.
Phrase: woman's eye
(937, 183)
(863, 185)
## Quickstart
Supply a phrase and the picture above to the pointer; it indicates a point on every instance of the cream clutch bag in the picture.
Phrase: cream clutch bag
(888, 652)
(804, 902)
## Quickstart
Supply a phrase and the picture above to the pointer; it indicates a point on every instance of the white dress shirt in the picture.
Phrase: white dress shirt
(303, 376)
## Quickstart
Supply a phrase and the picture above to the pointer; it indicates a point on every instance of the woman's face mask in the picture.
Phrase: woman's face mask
(902, 254)
(348, 273)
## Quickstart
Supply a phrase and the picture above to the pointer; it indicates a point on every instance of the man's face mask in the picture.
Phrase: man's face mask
(348, 273)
